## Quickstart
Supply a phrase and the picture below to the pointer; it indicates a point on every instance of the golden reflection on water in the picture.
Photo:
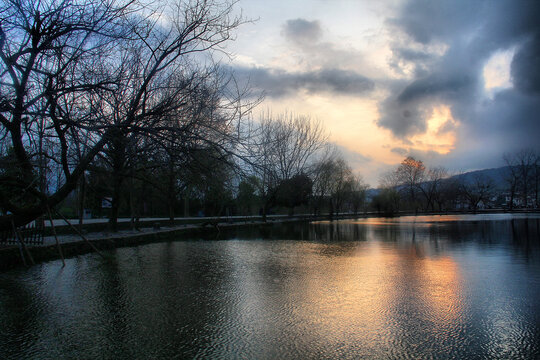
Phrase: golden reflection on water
(428, 219)
(443, 289)
(361, 293)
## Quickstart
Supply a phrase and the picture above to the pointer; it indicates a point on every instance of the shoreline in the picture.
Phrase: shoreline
(73, 245)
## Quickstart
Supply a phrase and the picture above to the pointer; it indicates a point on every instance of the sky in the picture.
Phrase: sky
(454, 83)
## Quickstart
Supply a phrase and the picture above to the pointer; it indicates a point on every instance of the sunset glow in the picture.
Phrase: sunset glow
(359, 66)
(440, 135)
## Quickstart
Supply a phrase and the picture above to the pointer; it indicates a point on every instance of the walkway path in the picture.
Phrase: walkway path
(11, 256)
(101, 235)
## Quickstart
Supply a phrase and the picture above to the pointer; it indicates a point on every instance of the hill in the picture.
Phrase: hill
(497, 175)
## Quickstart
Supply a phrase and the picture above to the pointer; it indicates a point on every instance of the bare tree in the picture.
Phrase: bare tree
(358, 193)
(186, 114)
(283, 146)
(335, 181)
(386, 201)
(98, 70)
(431, 187)
(46, 51)
(448, 193)
(478, 190)
(522, 176)
(321, 174)
(414, 181)
(340, 181)
(511, 177)
(409, 175)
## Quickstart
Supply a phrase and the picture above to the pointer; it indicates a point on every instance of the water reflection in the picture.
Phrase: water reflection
(377, 288)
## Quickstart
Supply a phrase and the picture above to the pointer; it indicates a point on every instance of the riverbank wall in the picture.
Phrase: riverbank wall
(11, 256)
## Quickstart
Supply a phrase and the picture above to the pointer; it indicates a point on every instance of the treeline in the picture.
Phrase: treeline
(124, 101)
(286, 164)
(414, 187)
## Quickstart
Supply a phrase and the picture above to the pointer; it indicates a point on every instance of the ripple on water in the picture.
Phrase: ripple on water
(457, 292)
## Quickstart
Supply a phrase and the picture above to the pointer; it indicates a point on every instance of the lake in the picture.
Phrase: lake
(457, 287)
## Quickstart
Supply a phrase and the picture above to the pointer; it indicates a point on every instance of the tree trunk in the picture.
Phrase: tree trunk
(171, 211)
(265, 209)
(186, 206)
(511, 199)
(115, 206)
(171, 192)
(291, 211)
(132, 205)
(82, 195)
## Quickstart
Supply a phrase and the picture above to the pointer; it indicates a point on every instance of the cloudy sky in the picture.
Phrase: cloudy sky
(454, 83)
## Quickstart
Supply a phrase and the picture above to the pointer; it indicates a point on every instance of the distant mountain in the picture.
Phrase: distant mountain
(497, 175)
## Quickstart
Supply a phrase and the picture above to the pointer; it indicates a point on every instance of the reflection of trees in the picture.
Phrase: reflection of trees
(338, 231)
(429, 237)
(526, 236)
(386, 233)
(110, 302)
(317, 232)
(194, 298)
(434, 238)
(21, 316)
(178, 299)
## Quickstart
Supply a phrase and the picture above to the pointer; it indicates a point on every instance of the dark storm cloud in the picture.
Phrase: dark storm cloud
(507, 123)
(470, 32)
(426, 20)
(434, 85)
(277, 83)
(493, 23)
(411, 55)
(302, 31)
(526, 66)
(402, 119)
(511, 117)
(402, 56)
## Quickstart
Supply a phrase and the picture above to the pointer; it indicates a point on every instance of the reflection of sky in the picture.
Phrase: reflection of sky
(392, 297)
(436, 219)
(466, 289)
(379, 297)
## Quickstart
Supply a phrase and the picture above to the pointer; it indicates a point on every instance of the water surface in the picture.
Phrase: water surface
(412, 287)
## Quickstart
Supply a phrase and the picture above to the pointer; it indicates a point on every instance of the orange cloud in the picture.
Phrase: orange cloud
(440, 135)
